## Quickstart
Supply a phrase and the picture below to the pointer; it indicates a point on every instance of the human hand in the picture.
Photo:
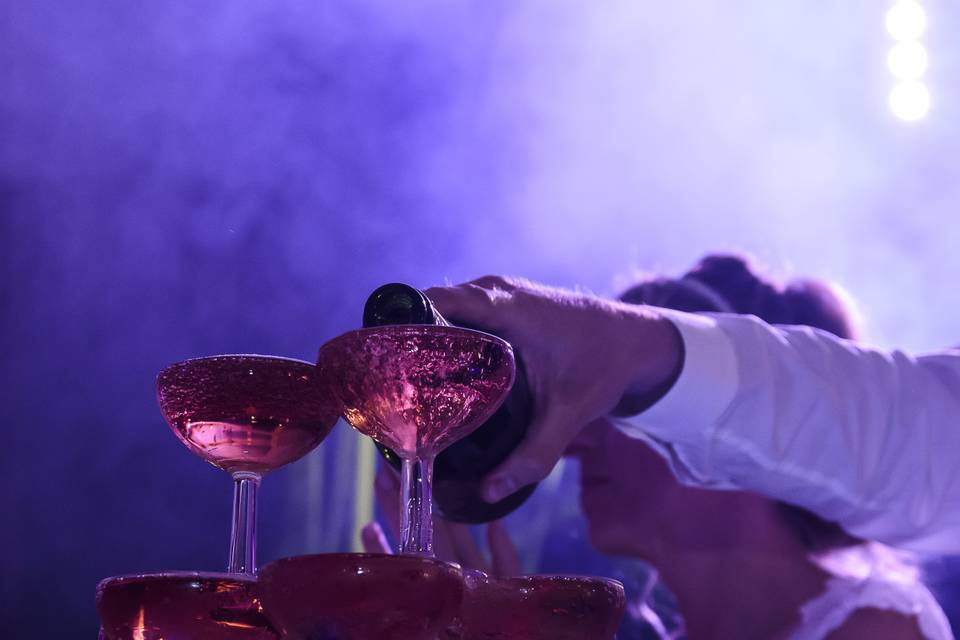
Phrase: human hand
(585, 357)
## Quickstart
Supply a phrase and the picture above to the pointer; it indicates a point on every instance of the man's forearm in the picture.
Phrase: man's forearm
(862, 437)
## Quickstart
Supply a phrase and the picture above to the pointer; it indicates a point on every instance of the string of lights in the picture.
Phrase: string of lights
(908, 60)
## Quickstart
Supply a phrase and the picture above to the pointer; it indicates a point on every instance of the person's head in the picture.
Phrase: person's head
(629, 495)
(728, 283)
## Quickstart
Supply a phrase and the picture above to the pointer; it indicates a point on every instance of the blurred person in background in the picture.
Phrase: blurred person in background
(862, 437)
(739, 564)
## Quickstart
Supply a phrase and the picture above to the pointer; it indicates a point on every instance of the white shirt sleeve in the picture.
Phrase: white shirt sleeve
(868, 439)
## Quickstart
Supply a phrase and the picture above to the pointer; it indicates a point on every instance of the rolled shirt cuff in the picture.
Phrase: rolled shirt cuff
(682, 424)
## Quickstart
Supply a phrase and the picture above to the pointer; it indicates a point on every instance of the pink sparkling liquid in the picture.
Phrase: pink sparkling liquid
(246, 413)
(539, 608)
(181, 606)
(357, 596)
(417, 388)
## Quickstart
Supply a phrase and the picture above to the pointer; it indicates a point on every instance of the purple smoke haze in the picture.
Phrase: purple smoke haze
(189, 178)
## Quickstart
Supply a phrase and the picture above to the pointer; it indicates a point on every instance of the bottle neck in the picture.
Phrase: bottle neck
(398, 303)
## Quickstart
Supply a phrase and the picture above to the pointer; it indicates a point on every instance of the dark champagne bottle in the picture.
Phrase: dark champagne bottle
(459, 469)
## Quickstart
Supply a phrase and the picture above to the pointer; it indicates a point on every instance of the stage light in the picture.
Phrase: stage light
(907, 60)
(906, 20)
(910, 100)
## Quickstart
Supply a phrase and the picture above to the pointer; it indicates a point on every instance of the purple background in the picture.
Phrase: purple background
(188, 177)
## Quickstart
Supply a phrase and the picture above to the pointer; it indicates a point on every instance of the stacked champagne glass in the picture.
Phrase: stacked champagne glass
(415, 389)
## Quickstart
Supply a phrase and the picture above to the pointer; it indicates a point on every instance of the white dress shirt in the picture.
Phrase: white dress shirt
(866, 438)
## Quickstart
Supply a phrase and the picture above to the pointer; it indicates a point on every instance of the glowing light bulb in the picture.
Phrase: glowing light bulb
(906, 20)
(910, 100)
(908, 60)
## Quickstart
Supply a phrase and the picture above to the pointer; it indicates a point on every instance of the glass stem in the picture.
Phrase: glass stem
(416, 507)
(243, 537)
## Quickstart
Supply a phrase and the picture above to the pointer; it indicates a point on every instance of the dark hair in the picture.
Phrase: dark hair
(729, 283)
(741, 289)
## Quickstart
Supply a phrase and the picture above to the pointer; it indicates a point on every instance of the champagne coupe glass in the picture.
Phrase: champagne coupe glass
(248, 415)
(360, 596)
(182, 604)
(539, 607)
(416, 389)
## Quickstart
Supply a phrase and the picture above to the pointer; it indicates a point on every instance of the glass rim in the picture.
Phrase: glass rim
(238, 356)
(362, 555)
(563, 576)
(419, 328)
(175, 574)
